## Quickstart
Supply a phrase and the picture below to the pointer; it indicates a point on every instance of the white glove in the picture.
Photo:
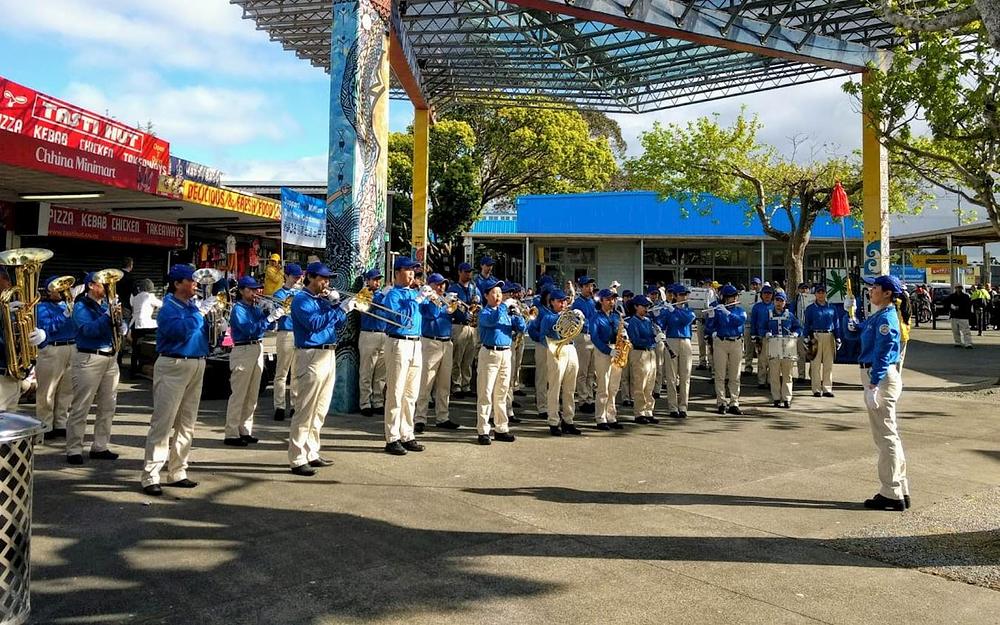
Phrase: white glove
(850, 303)
(853, 327)
(839, 343)
(349, 305)
(333, 296)
(123, 328)
(266, 307)
(275, 314)
(722, 310)
(768, 335)
(579, 313)
(36, 337)
(710, 313)
(615, 284)
(476, 299)
(661, 338)
(68, 312)
(425, 292)
(15, 305)
(871, 397)
(795, 334)
(667, 306)
(615, 354)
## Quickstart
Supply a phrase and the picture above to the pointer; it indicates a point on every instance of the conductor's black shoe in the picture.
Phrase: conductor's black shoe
(413, 446)
(418, 428)
(603, 426)
(483, 439)
(321, 462)
(569, 428)
(878, 502)
(107, 454)
(682, 414)
(906, 501)
(614, 425)
(367, 412)
(504, 437)
(786, 404)
(395, 448)
(777, 403)
(250, 440)
(828, 394)
(554, 430)
(153, 490)
(279, 414)
(817, 394)
(304, 470)
(674, 414)
(721, 409)
(513, 419)
(447, 424)
(75, 459)
(185, 483)
(235, 442)
(735, 410)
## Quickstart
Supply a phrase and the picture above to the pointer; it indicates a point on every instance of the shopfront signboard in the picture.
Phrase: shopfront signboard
(74, 223)
(303, 219)
(29, 113)
(196, 172)
(232, 200)
(21, 151)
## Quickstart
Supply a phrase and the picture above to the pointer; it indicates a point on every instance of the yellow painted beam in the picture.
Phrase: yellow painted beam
(421, 159)
(875, 205)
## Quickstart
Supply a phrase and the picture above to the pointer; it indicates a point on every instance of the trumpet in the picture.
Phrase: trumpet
(285, 304)
(63, 285)
(364, 302)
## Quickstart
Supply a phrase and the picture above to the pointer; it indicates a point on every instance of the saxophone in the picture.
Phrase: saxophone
(622, 344)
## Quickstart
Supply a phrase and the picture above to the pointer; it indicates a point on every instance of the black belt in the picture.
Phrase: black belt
(822, 331)
(327, 346)
(404, 337)
(99, 352)
(443, 339)
(730, 338)
(179, 357)
(497, 348)
(374, 331)
(59, 343)
(242, 343)
(643, 349)
(864, 365)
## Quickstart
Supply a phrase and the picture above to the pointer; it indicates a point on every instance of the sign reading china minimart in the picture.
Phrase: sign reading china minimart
(27, 112)
(74, 223)
(231, 200)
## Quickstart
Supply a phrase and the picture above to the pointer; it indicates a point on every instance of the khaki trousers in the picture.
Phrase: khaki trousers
(748, 350)
(626, 382)
(762, 361)
(727, 367)
(315, 376)
(586, 375)
(283, 368)
(704, 357)
(609, 378)
(561, 378)
(435, 377)
(176, 395)
(800, 364)
(10, 393)
(246, 365)
(822, 365)
(643, 366)
(516, 357)
(960, 332)
(891, 460)
(94, 377)
(780, 372)
(54, 395)
(463, 338)
(541, 378)
(371, 369)
(493, 384)
(677, 395)
(403, 362)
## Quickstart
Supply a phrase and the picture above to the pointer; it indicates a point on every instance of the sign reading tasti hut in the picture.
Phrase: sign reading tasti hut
(73, 223)
(232, 200)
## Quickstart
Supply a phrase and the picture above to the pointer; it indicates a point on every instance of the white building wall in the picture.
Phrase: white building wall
(619, 260)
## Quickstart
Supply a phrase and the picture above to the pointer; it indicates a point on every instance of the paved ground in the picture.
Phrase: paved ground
(748, 519)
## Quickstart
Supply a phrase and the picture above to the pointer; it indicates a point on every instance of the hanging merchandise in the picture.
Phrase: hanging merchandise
(203, 252)
(253, 258)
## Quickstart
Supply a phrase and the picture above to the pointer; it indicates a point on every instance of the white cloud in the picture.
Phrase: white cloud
(306, 169)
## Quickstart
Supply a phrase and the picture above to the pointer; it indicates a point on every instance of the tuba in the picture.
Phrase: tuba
(63, 285)
(567, 326)
(206, 277)
(110, 277)
(19, 321)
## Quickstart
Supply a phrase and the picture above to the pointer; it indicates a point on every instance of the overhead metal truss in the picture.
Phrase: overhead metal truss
(610, 55)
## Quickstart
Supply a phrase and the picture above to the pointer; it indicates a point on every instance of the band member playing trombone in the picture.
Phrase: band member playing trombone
(642, 360)
(95, 371)
(677, 322)
(436, 351)
(317, 317)
(604, 329)
(53, 370)
(285, 391)
(371, 350)
(463, 334)
(403, 358)
(250, 318)
(725, 324)
(781, 323)
(497, 326)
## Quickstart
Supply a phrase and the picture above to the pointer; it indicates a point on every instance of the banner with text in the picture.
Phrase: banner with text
(232, 200)
(31, 153)
(27, 112)
(303, 219)
(73, 223)
(196, 172)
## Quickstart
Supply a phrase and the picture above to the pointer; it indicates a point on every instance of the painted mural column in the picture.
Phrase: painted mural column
(358, 163)
(875, 206)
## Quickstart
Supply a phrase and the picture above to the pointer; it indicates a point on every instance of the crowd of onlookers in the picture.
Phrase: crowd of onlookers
(974, 308)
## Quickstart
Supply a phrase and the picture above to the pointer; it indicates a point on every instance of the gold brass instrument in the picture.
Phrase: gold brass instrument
(528, 313)
(206, 277)
(473, 310)
(109, 278)
(364, 301)
(285, 303)
(19, 321)
(622, 344)
(568, 325)
(63, 286)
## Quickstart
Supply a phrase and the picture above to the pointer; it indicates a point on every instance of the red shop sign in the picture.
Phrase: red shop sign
(27, 112)
(34, 154)
(73, 223)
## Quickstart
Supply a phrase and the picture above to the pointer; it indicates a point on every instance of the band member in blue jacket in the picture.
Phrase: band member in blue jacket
(724, 324)
(586, 375)
(285, 343)
(880, 348)
(677, 320)
(403, 357)
(534, 331)
(53, 370)
(604, 327)
(562, 369)
(822, 327)
(436, 347)
(497, 325)
(642, 360)
(371, 350)
(759, 315)
(463, 334)
(782, 323)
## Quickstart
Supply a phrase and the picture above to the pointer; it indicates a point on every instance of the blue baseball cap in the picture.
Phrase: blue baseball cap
(671, 288)
(781, 295)
(434, 278)
(641, 300)
(293, 269)
(755, 281)
(681, 289)
(177, 272)
(510, 287)
(627, 293)
(819, 288)
(248, 282)
(547, 287)
(766, 290)
(582, 280)
(319, 269)
(405, 262)
(803, 285)
(728, 291)
(888, 283)
(492, 284)
(652, 289)
(545, 279)
(464, 267)
(371, 274)
(485, 260)
(557, 294)
(606, 294)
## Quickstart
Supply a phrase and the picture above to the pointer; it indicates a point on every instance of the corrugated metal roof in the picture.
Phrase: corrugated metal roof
(494, 226)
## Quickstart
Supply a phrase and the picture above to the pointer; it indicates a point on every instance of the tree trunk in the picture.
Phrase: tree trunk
(795, 261)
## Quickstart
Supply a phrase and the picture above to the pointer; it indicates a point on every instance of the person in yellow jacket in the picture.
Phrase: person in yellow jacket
(274, 277)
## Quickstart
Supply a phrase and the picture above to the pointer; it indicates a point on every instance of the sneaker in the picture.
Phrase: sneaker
(735, 410)
(504, 437)
(418, 428)
(603, 427)
(554, 430)
(878, 502)
(483, 439)
(614, 425)
(395, 448)
(413, 446)
(447, 424)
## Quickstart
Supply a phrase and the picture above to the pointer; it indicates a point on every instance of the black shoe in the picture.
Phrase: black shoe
(413, 446)
(75, 459)
(878, 502)
(628, 403)
(304, 470)
(674, 414)
(291, 413)
(721, 409)
(656, 395)
(519, 393)
(682, 414)
(515, 404)
(906, 501)
(250, 440)
(603, 426)
(828, 394)
(107, 454)
(491, 421)
(395, 448)
(642, 420)
(367, 412)
(513, 419)
(554, 430)
(153, 490)
(652, 420)
(279, 414)
(762, 386)
(483, 439)
(50, 435)
(235, 442)
(701, 367)
(504, 437)
(321, 462)
(786, 404)
(817, 394)
(735, 410)
(568, 428)
(418, 428)
(777, 403)
(185, 483)
(447, 424)
(544, 416)
(55, 433)
(614, 425)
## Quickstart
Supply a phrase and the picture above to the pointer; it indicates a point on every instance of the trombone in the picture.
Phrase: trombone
(364, 302)
(285, 304)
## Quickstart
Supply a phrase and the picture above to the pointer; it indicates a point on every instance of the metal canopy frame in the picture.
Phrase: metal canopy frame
(611, 55)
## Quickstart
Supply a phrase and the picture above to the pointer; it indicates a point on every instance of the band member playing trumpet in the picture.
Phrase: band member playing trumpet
(250, 318)
(95, 372)
(371, 350)
(725, 324)
(781, 323)
(317, 317)
(642, 360)
(53, 370)
(604, 329)
(436, 350)
(182, 345)
(677, 321)
(759, 315)
(497, 326)
(533, 330)
(285, 391)
(585, 377)
(463, 334)
(822, 327)
(562, 370)
(403, 358)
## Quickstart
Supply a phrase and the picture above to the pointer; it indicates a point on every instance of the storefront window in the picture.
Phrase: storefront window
(738, 277)
(731, 257)
(696, 257)
(659, 256)
(566, 263)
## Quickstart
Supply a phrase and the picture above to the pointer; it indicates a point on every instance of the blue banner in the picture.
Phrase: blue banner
(908, 274)
(303, 219)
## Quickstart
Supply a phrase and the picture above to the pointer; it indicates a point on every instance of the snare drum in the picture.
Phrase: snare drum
(782, 348)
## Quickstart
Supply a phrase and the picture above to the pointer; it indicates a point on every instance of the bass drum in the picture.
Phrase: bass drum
(782, 348)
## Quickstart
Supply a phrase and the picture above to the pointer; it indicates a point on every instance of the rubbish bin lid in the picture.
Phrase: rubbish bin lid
(14, 427)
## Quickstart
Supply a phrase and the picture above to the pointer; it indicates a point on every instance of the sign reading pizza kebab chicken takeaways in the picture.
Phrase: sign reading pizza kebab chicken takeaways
(27, 112)
(231, 200)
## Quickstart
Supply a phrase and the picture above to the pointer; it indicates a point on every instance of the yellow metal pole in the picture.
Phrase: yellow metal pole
(875, 181)
(421, 149)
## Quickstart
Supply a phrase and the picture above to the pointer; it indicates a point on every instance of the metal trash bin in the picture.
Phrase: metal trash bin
(17, 446)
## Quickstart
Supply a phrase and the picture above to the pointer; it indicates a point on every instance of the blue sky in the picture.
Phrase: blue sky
(225, 96)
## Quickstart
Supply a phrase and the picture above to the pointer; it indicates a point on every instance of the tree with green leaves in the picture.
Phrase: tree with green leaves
(703, 160)
(936, 17)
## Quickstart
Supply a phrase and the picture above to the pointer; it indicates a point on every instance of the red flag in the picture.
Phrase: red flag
(839, 206)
